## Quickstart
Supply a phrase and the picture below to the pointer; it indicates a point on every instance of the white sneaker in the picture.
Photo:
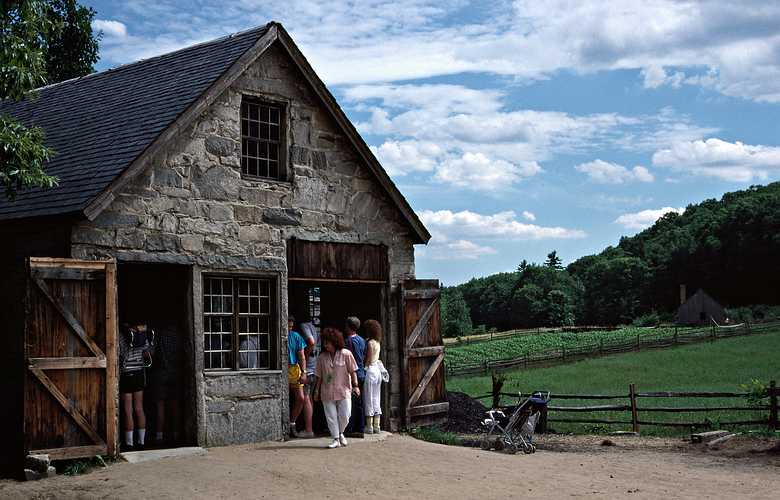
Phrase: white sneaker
(369, 430)
(377, 430)
(343, 440)
(334, 444)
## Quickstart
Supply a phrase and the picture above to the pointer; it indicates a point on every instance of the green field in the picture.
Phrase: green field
(722, 365)
(534, 343)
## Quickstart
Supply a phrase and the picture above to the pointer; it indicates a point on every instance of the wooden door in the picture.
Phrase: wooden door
(424, 392)
(70, 406)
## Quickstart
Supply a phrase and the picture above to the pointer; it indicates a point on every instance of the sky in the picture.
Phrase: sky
(519, 127)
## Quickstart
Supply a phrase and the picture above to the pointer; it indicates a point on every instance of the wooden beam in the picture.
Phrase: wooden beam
(68, 406)
(68, 263)
(417, 411)
(66, 363)
(71, 452)
(426, 352)
(70, 319)
(112, 369)
(65, 273)
(421, 323)
(424, 381)
(421, 294)
(338, 280)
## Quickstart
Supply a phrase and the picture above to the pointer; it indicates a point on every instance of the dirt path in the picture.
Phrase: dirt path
(403, 467)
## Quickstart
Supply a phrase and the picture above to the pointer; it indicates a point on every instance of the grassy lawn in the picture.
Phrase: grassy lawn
(717, 366)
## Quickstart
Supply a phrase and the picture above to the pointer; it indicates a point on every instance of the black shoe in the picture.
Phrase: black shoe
(140, 447)
(357, 435)
(127, 447)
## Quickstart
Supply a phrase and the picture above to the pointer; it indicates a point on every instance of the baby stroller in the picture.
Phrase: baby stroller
(515, 432)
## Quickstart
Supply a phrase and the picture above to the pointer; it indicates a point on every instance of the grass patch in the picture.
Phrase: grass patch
(78, 466)
(724, 365)
(433, 434)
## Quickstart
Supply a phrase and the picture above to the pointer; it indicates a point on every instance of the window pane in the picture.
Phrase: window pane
(253, 112)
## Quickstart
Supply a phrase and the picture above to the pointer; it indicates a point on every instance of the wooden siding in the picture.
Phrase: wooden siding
(323, 261)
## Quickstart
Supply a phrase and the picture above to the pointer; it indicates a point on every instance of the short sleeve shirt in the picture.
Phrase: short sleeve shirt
(335, 371)
(295, 343)
(309, 331)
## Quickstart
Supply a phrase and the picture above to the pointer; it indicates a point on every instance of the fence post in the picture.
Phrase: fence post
(601, 346)
(634, 412)
(773, 424)
(637, 342)
(563, 353)
(675, 336)
(485, 368)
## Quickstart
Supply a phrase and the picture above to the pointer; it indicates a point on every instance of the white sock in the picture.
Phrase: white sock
(141, 436)
(129, 438)
(159, 436)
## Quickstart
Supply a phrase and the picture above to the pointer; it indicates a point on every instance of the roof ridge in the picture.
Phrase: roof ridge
(159, 56)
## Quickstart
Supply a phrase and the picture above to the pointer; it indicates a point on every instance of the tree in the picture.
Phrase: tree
(71, 47)
(22, 68)
(553, 260)
(523, 266)
(40, 42)
(455, 318)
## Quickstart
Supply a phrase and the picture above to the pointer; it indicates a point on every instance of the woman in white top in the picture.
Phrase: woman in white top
(372, 387)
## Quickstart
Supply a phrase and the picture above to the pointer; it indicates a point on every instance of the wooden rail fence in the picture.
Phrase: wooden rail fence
(565, 355)
(636, 411)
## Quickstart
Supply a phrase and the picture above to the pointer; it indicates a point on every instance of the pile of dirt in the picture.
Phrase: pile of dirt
(466, 414)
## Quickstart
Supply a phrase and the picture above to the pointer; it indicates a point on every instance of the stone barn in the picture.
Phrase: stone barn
(209, 192)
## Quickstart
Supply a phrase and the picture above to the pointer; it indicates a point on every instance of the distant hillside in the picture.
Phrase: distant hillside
(730, 247)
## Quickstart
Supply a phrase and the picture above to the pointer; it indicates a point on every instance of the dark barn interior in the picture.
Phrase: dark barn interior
(156, 294)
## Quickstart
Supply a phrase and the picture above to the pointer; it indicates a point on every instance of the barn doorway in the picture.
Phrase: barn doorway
(329, 304)
(156, 295)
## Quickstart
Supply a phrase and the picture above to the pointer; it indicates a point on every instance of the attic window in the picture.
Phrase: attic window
(261, 125)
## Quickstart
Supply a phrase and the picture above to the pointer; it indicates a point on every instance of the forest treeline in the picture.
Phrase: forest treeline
(729, 247)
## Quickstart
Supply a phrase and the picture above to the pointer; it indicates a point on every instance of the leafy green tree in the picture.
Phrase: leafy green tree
(553, 260)
(455, 317)
(71, 46)
(40, 42)
(523, 266)
(22, 67)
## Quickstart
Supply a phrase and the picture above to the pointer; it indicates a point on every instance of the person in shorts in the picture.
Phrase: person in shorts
(296, 372)
(164, 384)
(135, 354)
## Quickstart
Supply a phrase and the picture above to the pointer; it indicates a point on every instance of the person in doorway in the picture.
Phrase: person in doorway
(296, 372)
(336, 373)
(312, 338)
(372, 387)
(135, 355)
(357, 346)
(163, 383)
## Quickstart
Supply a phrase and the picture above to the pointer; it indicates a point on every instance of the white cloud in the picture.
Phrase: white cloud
(110, 28)
(478, 172)
(528, 215)
(502, 225)
(645, 218)
(731, 47)
(402, 157)
(720, 159)
(456, 250)
(604, 172)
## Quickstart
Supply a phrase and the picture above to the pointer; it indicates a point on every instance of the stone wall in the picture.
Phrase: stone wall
(192, 207)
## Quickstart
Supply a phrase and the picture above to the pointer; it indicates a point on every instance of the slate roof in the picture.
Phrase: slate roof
(98, 124)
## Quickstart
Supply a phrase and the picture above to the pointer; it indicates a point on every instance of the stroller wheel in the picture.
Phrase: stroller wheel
(485, 444)
(529, 449)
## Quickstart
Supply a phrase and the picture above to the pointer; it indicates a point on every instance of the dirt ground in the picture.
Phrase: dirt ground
(403, 467)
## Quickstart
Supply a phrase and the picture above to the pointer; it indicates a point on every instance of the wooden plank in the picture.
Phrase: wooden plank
(426, 352)
(422, 322)
(691, 394)
(66, 363)
(702, 437)
(339, 280)
(589, 408)
(634, 412)
(69, 318)
(69, 408)
(704, 409)
(421, 294)
(588, 421)
(112, 369)
(417, 411)
(425, 380)
(66, 273)
(71, 452)
(36, 262)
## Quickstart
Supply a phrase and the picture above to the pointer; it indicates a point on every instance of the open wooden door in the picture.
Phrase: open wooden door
(424, 393)
(70, 401)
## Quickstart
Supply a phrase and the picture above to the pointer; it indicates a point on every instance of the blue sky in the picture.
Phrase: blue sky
(516, 128)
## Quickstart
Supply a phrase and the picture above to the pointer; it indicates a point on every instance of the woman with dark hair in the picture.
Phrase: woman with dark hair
(372, 387)
(336, 382)
(135, 355)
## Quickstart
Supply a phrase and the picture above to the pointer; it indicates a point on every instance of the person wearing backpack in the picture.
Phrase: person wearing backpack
(135, 355)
